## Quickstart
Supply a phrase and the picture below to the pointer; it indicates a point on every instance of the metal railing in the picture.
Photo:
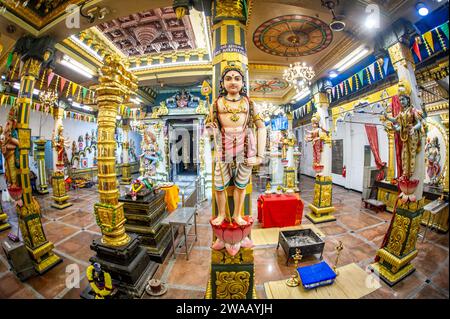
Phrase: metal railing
(197, 196)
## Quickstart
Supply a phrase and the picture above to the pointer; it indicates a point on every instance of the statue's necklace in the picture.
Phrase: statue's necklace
(233, 100)
(240, 109)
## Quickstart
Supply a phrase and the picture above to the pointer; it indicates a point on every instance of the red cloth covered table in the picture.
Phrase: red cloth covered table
(280, 210)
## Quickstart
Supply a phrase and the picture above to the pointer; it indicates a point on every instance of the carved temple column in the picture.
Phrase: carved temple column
(35, 53)
(60, 196)
(126, 167)
(229, 47)
(399, 249)
(322, 205)
(290, 170)
(118, 253)
(42, 186)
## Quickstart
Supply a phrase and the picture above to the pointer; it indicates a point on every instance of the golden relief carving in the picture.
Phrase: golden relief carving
(232, 285)
(316, 194)
(31, 67)
(326, 195)
(244, 256)
(398, 234)
(413, 232)
(400, 53)
(229, 9)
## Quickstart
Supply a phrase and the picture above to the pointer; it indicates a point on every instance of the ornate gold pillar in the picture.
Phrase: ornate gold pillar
(3, 219)
(322, 205)
(395, 256)
(42, 187)
(444, 119)
(60, 196)
(126, 167)
(35, 53)
(390, 176)
(113, 87)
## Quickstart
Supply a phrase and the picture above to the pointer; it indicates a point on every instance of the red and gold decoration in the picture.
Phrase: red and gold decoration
(293, 36)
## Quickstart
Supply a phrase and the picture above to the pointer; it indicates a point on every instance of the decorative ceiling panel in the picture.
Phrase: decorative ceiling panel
(273, 87)
(38, 13)
(151, 31)
(293, 36)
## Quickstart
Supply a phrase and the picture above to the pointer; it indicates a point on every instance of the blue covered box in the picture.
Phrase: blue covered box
(316, 275)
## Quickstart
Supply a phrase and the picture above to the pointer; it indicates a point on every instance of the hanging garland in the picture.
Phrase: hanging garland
(100, 293)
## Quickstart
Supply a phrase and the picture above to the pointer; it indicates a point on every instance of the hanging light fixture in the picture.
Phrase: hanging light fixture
(299, 75)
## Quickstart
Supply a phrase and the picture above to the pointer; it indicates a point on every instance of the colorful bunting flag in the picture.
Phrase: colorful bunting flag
(444, 28)
(62, 83)
(50, 78)
(417, 50)
(428, 36)
(371, 69)
(360, 75)
(74, 88)
(84, 92)
(350, 83)
(385, 65)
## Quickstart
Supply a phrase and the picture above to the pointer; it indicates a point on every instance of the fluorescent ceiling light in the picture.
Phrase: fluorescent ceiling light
(82, 106)
(136, 100)
(86, 47)
(76, 66)
(332, 74)
(352, 58)
(16, 85)
(422, 9)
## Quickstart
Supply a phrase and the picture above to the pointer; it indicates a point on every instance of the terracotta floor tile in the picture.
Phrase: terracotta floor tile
(331, 228)
(10, 286)
(187, 272)
(430, 293)
(204, 236)
(74, 293)
(78, 246)
(79, 219)
(441, 278)
(94, 228)
(357, 221)
(409, 285)
(429, 258)
(376, 234)
(54, 281)
(56, 231)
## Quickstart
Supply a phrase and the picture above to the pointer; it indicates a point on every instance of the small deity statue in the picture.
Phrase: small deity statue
(59, 145)
(80, 143)
(150, 155)
(286, 141)
(411, 127)
(9, 145)
(74, 148)
(433, 158)
(232, 118)
(100, 281)
(317, 137)
(87, 139)
(93, 137)
(183, 98)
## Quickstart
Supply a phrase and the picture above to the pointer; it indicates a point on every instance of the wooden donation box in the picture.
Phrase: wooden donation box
(280, 210)
(143, 218)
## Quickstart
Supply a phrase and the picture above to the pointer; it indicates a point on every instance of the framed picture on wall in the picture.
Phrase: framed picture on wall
(84, 162)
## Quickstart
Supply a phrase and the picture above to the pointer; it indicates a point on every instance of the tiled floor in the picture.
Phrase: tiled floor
(361, 231)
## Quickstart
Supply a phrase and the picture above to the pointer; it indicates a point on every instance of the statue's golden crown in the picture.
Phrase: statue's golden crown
(233, 67)
(315, 118)
(404, 88)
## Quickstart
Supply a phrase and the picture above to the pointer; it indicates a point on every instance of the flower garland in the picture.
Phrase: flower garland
(99, 293)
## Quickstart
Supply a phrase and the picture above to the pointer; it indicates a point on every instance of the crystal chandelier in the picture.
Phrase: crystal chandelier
(268, 109)
(299, 75)
(48, 98)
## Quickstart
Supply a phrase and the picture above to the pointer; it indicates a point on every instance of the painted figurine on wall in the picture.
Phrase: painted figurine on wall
(433, 158)
(232, 120)
(58, 144)
(87, 139)
(80, 143)
(411, 127)
(317, 137)
(9, 144)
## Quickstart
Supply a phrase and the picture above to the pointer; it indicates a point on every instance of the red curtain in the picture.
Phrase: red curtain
(372, 136)
(396, 109)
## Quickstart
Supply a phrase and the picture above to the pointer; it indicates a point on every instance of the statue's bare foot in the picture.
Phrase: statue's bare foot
(240, 221)
(218, 220)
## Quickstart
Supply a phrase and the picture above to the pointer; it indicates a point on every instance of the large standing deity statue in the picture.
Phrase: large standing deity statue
(58, 144)
(233, 119)
(317, 137)
(411, 127)
(9, 144)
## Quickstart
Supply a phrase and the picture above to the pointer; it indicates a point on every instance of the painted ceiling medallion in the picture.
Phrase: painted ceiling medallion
(293, 36)
(151, 31)
(268, 86)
